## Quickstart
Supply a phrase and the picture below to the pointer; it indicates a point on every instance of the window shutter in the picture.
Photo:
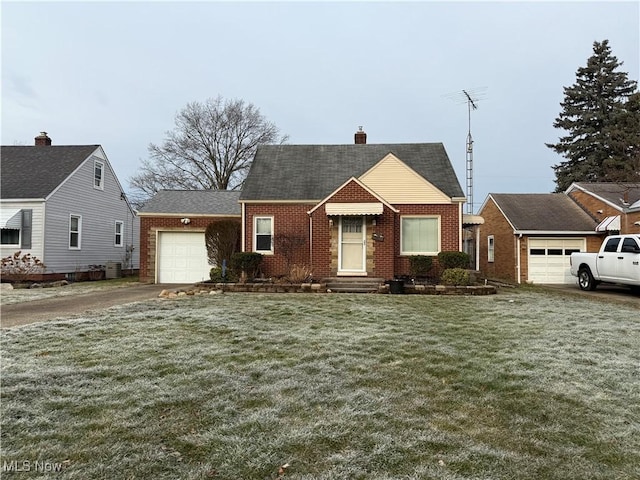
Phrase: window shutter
(25, 240)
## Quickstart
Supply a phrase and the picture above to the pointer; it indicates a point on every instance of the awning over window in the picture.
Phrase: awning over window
(374, 208)
(10, 218)
(609, 223)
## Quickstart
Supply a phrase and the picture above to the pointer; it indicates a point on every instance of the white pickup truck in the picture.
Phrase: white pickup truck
(618, 261)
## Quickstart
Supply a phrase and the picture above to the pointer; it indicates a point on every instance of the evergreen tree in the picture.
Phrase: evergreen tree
(601, 115)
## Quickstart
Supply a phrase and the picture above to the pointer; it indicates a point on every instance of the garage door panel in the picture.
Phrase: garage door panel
(182, 257)
(548, 259)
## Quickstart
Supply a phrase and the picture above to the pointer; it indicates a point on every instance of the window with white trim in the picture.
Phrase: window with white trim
(75, 232)
(490, 248)
(98, 175)
(10, 237)
(119, 234)
(420, 235)
(263, 234)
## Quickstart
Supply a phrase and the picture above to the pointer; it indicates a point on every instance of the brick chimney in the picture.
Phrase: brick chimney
(360, 136)
(43, 140)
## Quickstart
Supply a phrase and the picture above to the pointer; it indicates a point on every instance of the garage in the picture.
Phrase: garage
(549, 259)
(182, 257)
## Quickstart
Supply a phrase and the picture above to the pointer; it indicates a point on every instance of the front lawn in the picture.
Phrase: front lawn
(519, 385)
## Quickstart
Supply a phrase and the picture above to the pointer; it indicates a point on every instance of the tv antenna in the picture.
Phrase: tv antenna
(471, 98)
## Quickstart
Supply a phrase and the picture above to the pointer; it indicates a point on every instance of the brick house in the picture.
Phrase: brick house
(528, 238)
(350, 210)
(172, 226)
(616, 206)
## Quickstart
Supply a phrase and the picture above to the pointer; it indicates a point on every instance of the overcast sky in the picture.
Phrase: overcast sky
(116, 73)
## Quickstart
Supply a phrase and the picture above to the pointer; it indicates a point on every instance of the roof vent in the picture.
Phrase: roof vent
(43, 140)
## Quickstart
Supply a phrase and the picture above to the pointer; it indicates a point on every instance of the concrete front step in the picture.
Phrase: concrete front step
(353, 284)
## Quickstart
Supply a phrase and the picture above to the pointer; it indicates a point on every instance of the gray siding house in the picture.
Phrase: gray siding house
(65, 206)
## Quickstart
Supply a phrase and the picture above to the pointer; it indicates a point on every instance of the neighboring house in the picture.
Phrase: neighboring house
(616, 206)
(350, 210)
(172, 242)
(65, 206)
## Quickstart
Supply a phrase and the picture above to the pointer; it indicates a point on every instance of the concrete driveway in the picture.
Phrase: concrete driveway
(76, 305)
(603, 292)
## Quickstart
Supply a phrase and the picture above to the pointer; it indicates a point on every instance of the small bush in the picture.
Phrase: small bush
(247, 263)
(18, 268)
(420, 265)
(299, 273)
(455, 276)
(215, 274)
(453, 260)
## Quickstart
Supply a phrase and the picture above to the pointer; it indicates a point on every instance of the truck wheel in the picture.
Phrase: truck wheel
(585, 279)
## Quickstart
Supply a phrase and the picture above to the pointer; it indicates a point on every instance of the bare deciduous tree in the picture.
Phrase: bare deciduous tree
(211, 147)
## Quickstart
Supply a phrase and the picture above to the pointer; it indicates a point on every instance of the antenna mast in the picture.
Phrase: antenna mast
(471, 105)
(471, 98)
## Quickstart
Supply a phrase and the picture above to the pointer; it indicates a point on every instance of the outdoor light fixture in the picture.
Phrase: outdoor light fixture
(331, 222)
(185, 221)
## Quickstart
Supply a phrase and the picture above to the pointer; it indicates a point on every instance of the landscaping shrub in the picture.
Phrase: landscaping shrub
(289, 244)
(453, 260)
(299, 273)
(455, 276)
(420, 265)
(222, 240)
(18, 268)
(246, 263)
(215, 274)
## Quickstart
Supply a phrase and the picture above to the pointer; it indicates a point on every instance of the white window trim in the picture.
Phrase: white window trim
(255, 234)
(491, 249)
(101, 185)
(438, 218)
(13, 245)
(79, 217)
(115, 234)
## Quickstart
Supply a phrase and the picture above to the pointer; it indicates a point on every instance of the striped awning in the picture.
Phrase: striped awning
(609, 223)
(373, 208)
(10, 218)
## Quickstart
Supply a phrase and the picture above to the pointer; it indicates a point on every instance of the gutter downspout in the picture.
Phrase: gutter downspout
(242, 229)
(518, 269)
(311, 241)
(477, 248)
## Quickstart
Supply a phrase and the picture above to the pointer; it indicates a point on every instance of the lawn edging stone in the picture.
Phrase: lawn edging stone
(208, 288)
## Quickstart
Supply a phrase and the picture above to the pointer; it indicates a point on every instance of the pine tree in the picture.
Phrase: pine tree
(601, 115)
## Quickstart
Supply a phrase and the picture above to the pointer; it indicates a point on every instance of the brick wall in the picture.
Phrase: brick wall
(288, 218)
(504, 265)
(449, 231)
(149, 228)
(321, 250)
(592, 205)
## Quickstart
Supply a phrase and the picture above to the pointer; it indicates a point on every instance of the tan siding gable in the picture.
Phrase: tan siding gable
(394, 181)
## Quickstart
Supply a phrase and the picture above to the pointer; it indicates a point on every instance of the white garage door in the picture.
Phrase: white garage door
(182, 257)
(549, 259)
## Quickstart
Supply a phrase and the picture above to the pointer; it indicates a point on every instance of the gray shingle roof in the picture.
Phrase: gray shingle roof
(548, 212)
(193, 202)
(312, 172)
(34, 172)
(613, 192)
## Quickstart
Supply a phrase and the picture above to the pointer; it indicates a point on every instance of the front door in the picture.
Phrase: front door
(352, 251)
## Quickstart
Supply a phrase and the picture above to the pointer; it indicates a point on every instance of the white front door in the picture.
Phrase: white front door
(352, 251)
